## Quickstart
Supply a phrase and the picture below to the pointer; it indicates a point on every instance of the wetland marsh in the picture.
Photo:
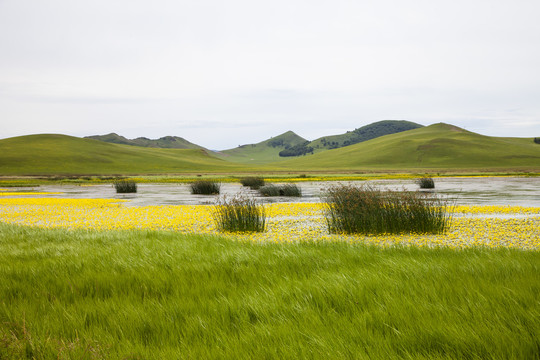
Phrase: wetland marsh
(91, 274)
(511, 191)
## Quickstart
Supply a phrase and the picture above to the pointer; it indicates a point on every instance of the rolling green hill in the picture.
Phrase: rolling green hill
(368, 132)
(263, 152)
(438, 146)
(166, 142)
(291, 145)
(60, 154)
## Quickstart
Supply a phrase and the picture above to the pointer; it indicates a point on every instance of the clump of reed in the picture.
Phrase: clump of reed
(239, 214)
(254, 182)
(367, 210)
(426, 182)
(282, 190)
(269, 190)
(290, 190)
(205, 187)
(125, 186)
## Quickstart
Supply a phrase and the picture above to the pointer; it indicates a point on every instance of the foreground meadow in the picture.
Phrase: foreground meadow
(96, 279)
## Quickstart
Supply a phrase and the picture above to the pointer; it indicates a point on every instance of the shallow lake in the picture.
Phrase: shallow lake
(514, 191)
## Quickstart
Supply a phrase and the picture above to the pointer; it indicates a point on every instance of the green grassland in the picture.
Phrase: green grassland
(434, 147)
(365, 133)
(61, 154)
(163, 295)
(262, 152)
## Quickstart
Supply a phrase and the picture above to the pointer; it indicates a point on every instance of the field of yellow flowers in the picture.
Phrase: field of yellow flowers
(471, 226)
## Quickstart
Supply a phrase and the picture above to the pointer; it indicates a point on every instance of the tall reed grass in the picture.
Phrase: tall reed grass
(125, 186)
(253, 182)
(239, 214)
(205, 187)
(367, 210)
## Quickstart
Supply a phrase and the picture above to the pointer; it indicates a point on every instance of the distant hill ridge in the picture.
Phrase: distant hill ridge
(287, 139)
(264, 151)
(289, 144)
(438, 147)
(166, 142)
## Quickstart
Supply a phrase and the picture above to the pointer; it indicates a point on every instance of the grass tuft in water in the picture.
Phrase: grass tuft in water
(367, 210)
(125, 186)
(426, 182)
(205, 187)
(269, 190)
(282, 190)
(290, 190)
(239, 214)
(253, 182)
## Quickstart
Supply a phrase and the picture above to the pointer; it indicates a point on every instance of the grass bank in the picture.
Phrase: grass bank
(161, 295)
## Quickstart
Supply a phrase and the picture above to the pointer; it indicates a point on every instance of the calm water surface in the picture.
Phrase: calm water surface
(514, 191)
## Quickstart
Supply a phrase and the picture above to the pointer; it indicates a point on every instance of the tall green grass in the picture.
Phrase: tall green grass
(239, 214)
(368, 210)
(164, 295)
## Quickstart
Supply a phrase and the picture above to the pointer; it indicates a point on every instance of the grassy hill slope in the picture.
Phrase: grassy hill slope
(438, 146)
(263, 152)
(60, 154)
(435, 147)
(166, 142)
(365, 133)
(268, 151)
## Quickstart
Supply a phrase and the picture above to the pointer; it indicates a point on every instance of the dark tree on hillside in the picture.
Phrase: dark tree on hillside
(537, 140)
(297, 150)
(276, 142)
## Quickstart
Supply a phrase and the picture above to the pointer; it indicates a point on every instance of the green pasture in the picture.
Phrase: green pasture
(364, 133)
(438, 148)
(61, 155)
(431, 148)
(163, 295)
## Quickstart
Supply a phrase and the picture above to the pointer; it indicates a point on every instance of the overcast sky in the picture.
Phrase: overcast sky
(224, 73)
